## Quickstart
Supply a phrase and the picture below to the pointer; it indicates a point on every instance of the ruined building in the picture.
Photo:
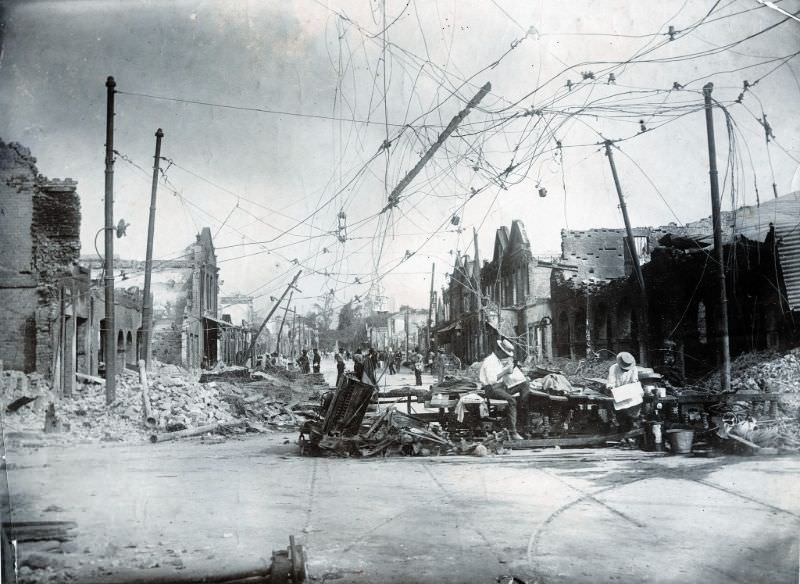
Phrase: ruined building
(514, 289)
(599, 308)
(51, 320)
(40, 236)
(187, 327)
(517, 286)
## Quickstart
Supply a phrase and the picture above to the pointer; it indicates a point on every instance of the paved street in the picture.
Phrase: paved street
(549, 516)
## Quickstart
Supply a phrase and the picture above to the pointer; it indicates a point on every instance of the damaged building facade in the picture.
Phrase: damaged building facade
(52, 320)
(599, 309)
(187, 328)
(515, 296)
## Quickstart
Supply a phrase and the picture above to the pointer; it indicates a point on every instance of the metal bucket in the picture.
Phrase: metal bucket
(680, 441)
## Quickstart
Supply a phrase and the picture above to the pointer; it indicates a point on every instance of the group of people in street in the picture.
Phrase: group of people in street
(370, 364)
(305, 363)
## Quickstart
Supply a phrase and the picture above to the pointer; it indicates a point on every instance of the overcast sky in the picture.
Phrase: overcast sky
(270, 176)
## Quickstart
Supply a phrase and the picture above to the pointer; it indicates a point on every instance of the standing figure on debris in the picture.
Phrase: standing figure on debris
(373, 356)
(497, 370)
(358, 365)
(317, 359)
(417, 365)
(390, 360)
(441, 361)
(370, 367)
(339, 367)
(302, 361)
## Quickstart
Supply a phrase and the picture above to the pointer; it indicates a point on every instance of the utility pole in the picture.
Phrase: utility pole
(394, 197)
(481, 316)
(283, 320)
(408, 324)
(147, 302)
(110, 349)
(722, 318)
(430, 308)
(252, 347)
(293, 335)
(637, 268)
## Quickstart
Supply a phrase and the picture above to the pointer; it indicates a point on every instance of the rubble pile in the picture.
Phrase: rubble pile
(178, 401)
(763, 371)
(578, 371)
(763, 424)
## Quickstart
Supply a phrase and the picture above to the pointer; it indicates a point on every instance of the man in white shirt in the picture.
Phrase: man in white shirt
(497, 369)
(623, 371)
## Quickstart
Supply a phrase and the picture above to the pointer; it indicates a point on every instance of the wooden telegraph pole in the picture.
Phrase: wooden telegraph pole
(394, 197)
(408, 324)
(147, 302)
(283, 320)
(110, 348)
(430, 308)
(722, 319)
(481, 314)
(252, 347)
(637, 268)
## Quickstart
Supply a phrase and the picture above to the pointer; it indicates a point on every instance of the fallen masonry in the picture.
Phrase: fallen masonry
(177, 402)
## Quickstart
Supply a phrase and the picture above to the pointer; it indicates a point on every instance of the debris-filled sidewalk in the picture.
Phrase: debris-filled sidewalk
(230, 400)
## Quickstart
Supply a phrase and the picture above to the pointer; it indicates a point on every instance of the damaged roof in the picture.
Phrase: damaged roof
(783, 213)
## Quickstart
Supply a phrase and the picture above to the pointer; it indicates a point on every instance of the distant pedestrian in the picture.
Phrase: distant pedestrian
(417, 365)
(316, 360)
(302, 361)
(441, 362)
(370, 367)
(358, 365)
(339, 367)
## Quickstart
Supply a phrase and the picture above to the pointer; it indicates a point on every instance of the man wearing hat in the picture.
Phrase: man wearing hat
(495, 370)
(623, 371)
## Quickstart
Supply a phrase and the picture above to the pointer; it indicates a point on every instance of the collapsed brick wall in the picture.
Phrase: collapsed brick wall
(17, 284)
(167, 344)
(598, 253)
(55, 231)
(39, 232)
(18, 328)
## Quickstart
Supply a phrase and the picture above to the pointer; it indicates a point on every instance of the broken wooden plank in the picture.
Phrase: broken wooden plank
(89, 379)
(166, 436)
(40, 530)
(149, 418)
(18, 403)
(567, 442)
(753, 446)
